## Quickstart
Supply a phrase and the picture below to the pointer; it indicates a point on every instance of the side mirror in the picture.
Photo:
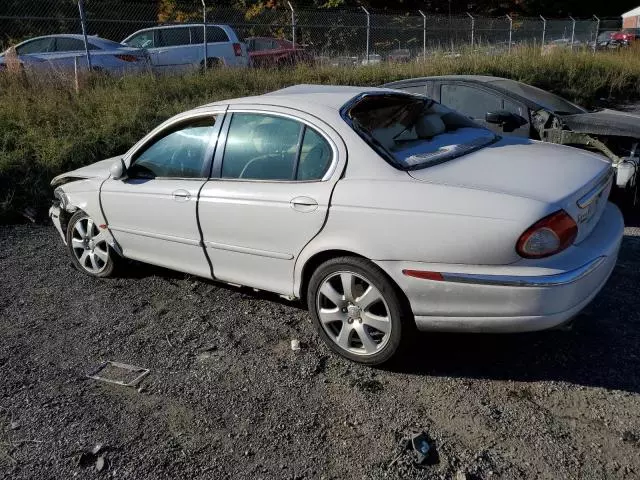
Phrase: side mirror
(118, 169)
(507, 120)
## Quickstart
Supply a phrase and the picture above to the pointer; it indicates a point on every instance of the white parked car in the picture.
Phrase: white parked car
(374, 59)
(59, 52)
(384, 211)
(176, 48)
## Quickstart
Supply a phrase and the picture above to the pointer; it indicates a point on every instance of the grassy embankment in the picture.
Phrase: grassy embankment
(46, 128)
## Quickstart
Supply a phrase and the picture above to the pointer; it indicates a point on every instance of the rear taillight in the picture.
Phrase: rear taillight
(127, 58)
(548, 236)
(237, 49)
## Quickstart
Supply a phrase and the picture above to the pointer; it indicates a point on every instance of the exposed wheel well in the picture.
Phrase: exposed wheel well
(314, 262)
(319, 258)
(212, 62)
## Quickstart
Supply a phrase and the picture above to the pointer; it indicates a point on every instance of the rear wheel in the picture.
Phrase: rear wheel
(212, 64)
(357, 310)
(88, 247)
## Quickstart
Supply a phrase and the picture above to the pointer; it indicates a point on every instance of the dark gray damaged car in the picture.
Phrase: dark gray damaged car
(516, 109)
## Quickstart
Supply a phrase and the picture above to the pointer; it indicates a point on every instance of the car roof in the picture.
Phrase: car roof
(76, 36)
(468, 78)
(306, 97)
(180, 25)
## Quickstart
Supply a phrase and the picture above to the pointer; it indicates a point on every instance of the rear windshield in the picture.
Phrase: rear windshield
(412, 131)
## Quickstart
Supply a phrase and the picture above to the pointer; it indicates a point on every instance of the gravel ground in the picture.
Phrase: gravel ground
(227, 397)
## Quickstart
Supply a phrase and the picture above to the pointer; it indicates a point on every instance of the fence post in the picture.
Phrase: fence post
(368, 30)
(473, 27)
(83, 22)
(595, 40)
(424, 35)
(573, 30)
(293, 25)
(510, 31)
(204, 34)
(544, 29)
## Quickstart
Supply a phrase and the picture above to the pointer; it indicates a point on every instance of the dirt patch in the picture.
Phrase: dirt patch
(227, 397)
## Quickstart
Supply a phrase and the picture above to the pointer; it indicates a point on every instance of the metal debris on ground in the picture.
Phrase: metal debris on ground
(295, 344)
(418, 443)
(100, 463)
(119, 373)
(30, 214)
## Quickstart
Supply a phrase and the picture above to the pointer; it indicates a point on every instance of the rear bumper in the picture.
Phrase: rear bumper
(526, 296)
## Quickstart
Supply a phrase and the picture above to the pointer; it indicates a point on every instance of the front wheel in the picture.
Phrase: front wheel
(88, 247)
(357, 310)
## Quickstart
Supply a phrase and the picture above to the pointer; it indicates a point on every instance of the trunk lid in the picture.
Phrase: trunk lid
(561, 177)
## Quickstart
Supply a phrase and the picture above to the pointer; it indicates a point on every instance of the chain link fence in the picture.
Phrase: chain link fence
(345, 36)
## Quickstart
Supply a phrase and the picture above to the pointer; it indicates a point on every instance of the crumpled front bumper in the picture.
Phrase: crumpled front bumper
(54, 214)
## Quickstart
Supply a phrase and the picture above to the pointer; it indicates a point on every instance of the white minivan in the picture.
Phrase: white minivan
(175, 48)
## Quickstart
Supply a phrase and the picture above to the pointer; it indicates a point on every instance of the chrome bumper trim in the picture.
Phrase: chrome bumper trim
(592, 194)
(526, 281)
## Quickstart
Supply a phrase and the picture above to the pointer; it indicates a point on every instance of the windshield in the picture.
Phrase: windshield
(412, 131)
(547, 100)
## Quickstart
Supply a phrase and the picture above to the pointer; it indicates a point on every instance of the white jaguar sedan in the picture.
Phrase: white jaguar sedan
(384, 211)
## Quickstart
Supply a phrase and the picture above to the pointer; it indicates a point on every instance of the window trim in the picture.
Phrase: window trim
(163, 131)
(216, 172)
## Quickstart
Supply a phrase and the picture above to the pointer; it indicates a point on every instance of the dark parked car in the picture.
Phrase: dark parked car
(275, 52)
(516, 109)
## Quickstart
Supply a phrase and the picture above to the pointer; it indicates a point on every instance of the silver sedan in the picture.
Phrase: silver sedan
(383, 211)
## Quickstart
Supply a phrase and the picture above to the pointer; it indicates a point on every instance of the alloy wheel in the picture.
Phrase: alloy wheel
(89, 246)
(353, 313)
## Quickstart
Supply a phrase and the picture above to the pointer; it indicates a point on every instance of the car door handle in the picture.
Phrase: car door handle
(181, 195)
(304, 204)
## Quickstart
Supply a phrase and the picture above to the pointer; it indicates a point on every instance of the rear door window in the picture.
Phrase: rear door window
(470, 101)
(173, 37)
(70, 45)
(197, 35)
(216, 34)
(40, 45)
(261, 147)
(269, 147)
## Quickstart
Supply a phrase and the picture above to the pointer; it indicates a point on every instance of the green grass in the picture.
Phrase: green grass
(46, 128)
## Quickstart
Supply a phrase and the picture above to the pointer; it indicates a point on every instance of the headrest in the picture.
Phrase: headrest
(266, 138)
(430, 125)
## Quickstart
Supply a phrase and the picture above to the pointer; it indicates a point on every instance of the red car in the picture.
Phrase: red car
(275, 52)
(626, 35)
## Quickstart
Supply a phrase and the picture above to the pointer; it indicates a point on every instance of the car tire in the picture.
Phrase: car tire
(370, 308)
(90, 253)
(212, 64)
